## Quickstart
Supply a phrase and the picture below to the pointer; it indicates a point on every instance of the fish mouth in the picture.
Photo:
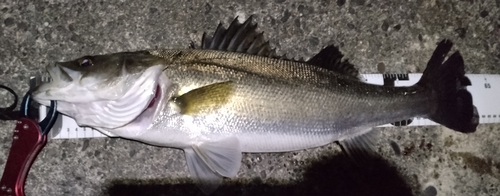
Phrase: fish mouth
(59, 81)
(58, 73)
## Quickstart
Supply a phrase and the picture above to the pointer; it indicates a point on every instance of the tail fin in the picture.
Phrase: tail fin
(454, 109)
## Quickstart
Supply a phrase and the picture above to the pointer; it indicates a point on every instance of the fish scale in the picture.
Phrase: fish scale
(283, 73)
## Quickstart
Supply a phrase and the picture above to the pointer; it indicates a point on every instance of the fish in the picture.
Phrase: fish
(233, 93)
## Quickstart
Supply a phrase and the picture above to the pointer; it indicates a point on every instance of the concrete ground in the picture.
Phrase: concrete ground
(379, 36)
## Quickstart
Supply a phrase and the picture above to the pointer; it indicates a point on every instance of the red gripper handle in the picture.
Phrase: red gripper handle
(27, 142)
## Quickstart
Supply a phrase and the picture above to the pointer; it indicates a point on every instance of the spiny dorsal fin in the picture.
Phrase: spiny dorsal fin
(331, 58)
(244, 38)
(238, 37)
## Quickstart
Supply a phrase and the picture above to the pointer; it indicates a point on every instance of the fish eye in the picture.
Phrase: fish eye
(85, 62)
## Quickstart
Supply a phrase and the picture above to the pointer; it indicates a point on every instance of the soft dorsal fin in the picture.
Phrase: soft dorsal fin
(244, 38)
(331, 58)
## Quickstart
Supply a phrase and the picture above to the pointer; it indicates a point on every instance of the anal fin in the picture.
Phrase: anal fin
(362, 146)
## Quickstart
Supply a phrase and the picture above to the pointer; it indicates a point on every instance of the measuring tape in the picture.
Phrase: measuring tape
(485, 91)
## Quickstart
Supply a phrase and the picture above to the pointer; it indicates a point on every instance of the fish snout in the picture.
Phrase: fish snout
(60, 77)
(60, 73)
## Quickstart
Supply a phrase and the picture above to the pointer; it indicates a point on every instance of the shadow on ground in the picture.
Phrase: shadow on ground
(335, 175)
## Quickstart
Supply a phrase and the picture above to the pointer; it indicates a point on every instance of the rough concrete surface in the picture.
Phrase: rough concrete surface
(388, 36)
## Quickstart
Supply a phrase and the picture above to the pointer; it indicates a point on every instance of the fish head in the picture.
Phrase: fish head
(104, 91)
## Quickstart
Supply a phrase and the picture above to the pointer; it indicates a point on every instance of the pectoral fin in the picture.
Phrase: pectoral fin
(205, 98)
(210, 161)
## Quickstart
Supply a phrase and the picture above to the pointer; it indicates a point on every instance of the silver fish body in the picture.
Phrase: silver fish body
(234, 95)
(280, 105)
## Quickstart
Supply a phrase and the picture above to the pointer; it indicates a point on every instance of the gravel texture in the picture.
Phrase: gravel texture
(379, 36)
